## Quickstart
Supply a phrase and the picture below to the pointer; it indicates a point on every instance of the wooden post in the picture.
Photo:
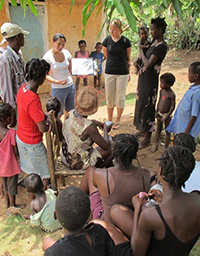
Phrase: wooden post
(51, 162)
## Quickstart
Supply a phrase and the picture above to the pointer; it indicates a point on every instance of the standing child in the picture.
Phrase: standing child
(81, 54)
(9, 168)
(98, 57)
(54, 104)
(43, 206)
(165, 107)
(144, 44)
(73, 211)
(187, 116)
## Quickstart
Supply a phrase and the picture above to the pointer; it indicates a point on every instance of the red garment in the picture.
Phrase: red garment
(8, 161)
(29, 114)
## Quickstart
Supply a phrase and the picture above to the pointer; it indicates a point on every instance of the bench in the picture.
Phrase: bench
(56, 167)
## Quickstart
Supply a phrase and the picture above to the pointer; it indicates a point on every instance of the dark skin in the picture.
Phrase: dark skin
(157, 35)
(95, 179)
(17, 42)
(176, 206)
(92, 132)
(193, 78)
(37, 204)
(83, 52)
(44, 125)
(166, 105)
(10, 200)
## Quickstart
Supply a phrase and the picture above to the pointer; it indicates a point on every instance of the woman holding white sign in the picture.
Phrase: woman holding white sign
(59, 75)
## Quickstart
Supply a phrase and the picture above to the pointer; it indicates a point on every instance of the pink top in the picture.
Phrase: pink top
(8, 161)
(79, 55)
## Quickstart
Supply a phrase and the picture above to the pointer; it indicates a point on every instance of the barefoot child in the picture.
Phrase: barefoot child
(9, 168)
(81, 54)
(98, 57)
(165, 107)
(73, 211)
(187, 116)
(43, 206)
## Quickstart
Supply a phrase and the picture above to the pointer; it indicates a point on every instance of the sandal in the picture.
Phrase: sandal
(116, 126)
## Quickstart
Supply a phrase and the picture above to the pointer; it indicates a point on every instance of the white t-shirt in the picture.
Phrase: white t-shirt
(59, 70)
(193, 183)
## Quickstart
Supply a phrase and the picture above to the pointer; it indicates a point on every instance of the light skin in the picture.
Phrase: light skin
(166, 105)
(58, 55)
(116, 34)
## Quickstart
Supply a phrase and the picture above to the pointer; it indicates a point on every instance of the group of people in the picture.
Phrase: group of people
(117, 192)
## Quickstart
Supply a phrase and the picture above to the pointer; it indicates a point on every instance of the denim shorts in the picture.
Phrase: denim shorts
(33, 158)
(66, 96)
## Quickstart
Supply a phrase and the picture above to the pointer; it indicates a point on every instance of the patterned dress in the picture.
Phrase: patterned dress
(76, 153)
(147, 89)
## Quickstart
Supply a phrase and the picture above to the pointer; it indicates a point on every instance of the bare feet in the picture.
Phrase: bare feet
(144, 143)
(154, 148)
(139, 134)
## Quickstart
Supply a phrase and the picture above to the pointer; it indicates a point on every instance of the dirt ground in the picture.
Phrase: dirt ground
(175, 62)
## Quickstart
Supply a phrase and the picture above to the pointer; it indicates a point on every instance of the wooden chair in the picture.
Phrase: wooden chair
(56, 167)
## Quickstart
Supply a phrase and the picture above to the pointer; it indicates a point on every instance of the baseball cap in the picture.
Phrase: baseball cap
(9, 30)
(3, 41)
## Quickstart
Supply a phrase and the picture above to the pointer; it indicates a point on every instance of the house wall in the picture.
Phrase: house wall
(58, 20)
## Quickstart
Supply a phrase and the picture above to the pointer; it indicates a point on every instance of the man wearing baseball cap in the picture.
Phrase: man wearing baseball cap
(11, 63)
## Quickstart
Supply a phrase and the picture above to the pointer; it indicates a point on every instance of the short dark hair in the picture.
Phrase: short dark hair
(5, 111)
(72, 208)
(58, 36)
(177, 164)
(33, 183)
(36, 69)
(185, 140)
(81, 42)
(195, 68)
(145, 29)
(98, 43)
(160, 23)
(125, 149)
(53, 103)
(168, 78)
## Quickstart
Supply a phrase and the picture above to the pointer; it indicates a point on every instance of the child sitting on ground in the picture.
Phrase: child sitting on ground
(43, 206)
(165, 107)
(144, 44)
(72, 211)
(98, 57)
(9, 167)
(54, 104)
(81, 54)
(187, 115)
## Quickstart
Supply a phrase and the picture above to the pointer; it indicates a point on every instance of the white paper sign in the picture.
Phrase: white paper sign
(82, 66)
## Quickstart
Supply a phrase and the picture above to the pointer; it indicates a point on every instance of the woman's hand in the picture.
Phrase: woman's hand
(62, 82)
(137, 201)
(156, 194)
(108, 127)
(98, 124)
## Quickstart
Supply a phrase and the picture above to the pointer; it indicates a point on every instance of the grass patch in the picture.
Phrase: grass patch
(130, 100)
(18, 237)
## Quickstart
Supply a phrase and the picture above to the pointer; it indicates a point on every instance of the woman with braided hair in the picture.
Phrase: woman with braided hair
(32, 122)
(170, 228)
(117, 184)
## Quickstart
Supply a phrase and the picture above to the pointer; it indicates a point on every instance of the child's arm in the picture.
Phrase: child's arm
(76, 55)
(190, 124)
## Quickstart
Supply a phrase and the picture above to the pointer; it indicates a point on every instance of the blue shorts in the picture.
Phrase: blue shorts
(66, 96)
(33, 158)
